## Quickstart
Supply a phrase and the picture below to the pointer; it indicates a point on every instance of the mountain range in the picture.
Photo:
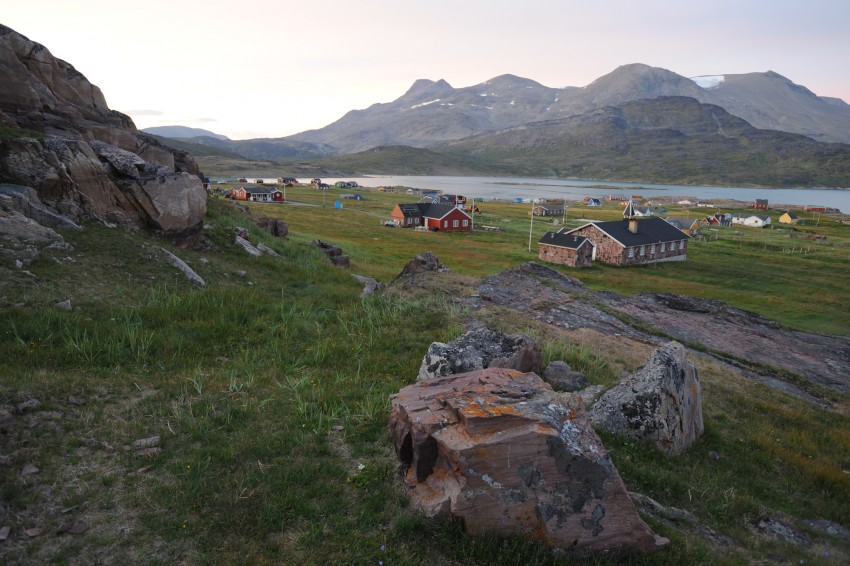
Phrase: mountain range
(431, 112)
(635, 123)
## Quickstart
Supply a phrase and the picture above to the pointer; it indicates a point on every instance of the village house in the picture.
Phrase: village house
(566, 249)
(257, 194)
(760, 204)
(436, 217)
(788, 218)
(634, 242)
(690, 226)
(548, 210)
(751, 220)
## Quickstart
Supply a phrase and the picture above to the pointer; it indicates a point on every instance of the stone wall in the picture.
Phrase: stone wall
(610, 251)
(583, 257)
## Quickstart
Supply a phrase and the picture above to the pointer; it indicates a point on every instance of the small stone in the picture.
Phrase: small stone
(4, 533)
(713, 455)
(241, 273)
(29, 470)
(74, 528)
(148, 452)
(74, 400)
(28, 404)
(33, 532)
(64, 305)
(5, 460)
(204, 260)
(145, 442)
(19, 264)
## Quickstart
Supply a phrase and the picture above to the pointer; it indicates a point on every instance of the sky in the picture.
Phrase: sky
(263, 68)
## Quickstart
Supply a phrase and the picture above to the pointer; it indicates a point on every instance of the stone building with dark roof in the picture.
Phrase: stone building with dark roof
(634, 242)
(565, 249)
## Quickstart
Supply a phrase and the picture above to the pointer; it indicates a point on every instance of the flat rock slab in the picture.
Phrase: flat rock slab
(500, 450)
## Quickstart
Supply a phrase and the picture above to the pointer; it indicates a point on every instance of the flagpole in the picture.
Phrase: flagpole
(531, 225)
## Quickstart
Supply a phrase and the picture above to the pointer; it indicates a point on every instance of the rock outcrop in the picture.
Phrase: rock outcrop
(500, 450)
(660, 403)
(481, 349)
(82, 160)
(426, 261)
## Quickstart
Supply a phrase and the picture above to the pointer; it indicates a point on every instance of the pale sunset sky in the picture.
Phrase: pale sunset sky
(259, 68)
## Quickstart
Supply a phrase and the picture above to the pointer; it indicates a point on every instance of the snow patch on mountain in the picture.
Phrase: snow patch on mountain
(424, 103)
(709, 81)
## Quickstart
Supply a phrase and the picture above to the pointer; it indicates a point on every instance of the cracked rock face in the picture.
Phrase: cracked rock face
(84, 161)
(481, 349)
(500, 450)
(660, 403)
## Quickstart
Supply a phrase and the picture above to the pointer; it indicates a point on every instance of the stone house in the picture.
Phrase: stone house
(635, 242)
(564, 249)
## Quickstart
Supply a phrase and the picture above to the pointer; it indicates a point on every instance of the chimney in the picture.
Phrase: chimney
(633, 225)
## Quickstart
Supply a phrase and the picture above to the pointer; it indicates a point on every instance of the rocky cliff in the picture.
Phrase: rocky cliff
(82, 160)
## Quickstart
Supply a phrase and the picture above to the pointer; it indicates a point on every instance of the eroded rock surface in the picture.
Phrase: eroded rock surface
(745, 339)
(660, 403)
(82, 160)
(500, 450)
(481, 349)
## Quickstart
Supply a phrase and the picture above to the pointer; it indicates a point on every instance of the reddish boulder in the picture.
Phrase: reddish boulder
(503, 452)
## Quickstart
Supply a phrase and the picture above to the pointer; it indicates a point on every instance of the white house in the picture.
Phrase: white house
(751, 220)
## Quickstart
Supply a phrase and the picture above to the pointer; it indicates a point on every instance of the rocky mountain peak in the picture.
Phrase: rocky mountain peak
(424, 88)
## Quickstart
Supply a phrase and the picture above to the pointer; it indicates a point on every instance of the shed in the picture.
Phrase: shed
(566, 249)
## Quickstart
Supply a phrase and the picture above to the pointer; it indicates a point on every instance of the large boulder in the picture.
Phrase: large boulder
(82, 160)
(481, 349)
(660, 403)
(501, 451)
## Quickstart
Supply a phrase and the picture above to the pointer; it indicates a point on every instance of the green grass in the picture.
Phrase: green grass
(270, 394)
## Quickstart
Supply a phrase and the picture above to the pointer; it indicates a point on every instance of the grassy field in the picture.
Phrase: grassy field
(269, 391)
(797, 281)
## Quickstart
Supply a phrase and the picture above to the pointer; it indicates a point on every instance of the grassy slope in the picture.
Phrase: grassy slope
(270, 392)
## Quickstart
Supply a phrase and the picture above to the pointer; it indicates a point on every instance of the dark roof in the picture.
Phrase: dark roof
(681, 223)
(563, 240)
(428, 209)
(550, 206)
(651, 230)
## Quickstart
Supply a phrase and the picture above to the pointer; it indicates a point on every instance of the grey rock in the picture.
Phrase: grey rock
(782, 531)
(559, 375)
(267, 250)
(659, 403)
(28, 405)
(370, 285)
(247, 246)
(423, 262)
(184, 268)
(64, 305)
(481, 349)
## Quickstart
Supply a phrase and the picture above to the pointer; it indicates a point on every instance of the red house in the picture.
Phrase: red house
(436, 217)
(257, 194)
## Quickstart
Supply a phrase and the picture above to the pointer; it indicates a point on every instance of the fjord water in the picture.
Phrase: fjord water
(509, 188)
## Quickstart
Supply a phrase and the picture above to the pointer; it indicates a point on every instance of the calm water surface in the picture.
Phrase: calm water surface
(509, 188)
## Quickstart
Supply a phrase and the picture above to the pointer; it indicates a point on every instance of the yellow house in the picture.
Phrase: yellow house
(788, 218)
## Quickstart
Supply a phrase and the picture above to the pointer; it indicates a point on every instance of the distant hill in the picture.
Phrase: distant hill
(181, 132)
(667, 139)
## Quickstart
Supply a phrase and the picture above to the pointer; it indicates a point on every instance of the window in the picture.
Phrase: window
(681, 244)
(652, 249)
(631, 252)
(465, 223)
(663, 247)
(454, 223)
(643, 251)
(445, 223)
